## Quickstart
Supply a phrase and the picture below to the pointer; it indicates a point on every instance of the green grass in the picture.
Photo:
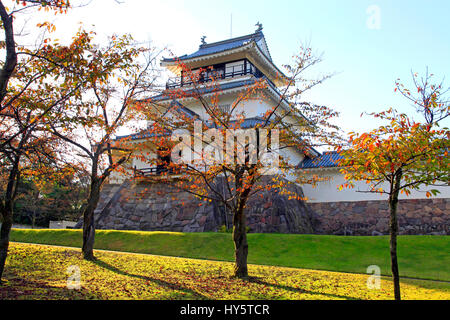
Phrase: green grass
(424, 257)
(42, 272)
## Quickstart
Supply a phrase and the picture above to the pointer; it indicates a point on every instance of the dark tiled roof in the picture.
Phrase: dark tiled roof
(188, 112)
(143, 134)
(147, 134)
(246, 124)
(210, 48)
(251, 123)
(327, 159)
(206, 90)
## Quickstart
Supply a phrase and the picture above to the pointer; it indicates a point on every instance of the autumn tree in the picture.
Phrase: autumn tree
(119, 74)
(33, 81)
(216, 166)
(427, 97)
(399, 157)
(7, 19)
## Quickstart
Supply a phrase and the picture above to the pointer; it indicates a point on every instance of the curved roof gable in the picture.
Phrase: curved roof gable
(253, 46)
(220, 46)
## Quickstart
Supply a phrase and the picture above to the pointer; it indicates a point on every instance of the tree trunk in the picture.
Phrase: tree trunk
(4, 236)
(94, 196)
(240, 244)
(88, 220)
(240, 226)
(5, 74)
(11, 55)
(393, 226)
(33, 217)
(7, 213)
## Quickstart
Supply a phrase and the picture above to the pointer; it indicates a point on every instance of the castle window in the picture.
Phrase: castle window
(235, 68)
(164, 160)
(225, 108)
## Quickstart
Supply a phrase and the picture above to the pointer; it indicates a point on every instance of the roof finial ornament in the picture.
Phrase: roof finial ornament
(260, 27)
(203, 40)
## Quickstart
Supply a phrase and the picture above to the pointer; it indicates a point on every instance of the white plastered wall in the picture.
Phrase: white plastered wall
(135, 162)
(327, 191)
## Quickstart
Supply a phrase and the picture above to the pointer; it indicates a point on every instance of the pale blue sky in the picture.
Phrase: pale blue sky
(411, 36)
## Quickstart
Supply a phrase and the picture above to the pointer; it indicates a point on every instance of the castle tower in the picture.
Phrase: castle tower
(233, 65)
(223, 69)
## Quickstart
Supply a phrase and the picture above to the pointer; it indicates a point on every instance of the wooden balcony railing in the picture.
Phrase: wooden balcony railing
(215, 75)
(152, 171)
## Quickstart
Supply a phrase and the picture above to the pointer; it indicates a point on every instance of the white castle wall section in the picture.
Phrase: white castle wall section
(327, 191)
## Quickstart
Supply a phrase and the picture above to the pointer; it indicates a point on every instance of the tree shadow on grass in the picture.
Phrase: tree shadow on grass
(258, 280)
(159, 282)
(18, 288)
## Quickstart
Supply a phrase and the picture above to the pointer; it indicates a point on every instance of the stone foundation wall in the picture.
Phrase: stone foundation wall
(155, 206)
(415, 216)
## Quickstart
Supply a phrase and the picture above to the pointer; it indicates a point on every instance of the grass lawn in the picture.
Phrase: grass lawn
(425, 257)
(40, 272)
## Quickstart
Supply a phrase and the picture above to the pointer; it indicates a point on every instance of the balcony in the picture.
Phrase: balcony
(159, 170)
(216, 74)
